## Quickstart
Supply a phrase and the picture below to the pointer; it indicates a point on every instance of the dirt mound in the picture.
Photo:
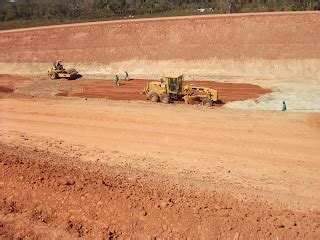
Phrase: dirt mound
(44, 195)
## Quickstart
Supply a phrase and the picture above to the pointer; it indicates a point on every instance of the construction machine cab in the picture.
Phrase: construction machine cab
(173, 84)
(168, 88)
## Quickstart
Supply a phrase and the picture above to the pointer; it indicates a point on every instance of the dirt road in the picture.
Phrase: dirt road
(226, 176)
(177, 140)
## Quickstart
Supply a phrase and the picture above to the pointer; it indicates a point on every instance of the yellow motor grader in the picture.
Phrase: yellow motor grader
(170, 87)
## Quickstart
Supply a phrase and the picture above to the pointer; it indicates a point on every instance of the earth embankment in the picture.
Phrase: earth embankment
(259, 45)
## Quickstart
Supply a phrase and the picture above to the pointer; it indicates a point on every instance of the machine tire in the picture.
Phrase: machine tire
(207, 102)
(153, 97)
(53, 75)
(165, 98)
(73, 77)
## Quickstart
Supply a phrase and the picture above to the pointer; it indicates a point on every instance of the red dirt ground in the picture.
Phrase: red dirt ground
(49, 196)
(130, 90)
(239, 36)
(9, 82)
(98, 170)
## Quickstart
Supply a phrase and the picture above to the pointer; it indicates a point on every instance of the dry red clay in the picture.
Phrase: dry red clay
(128, 90)
(48, 196)
(8, 82)
(240, 36)
(131, 90)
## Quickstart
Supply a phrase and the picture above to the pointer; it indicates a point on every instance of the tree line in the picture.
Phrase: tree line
(100, 9)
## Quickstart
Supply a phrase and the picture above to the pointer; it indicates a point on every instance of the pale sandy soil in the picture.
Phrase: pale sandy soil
(271, 155)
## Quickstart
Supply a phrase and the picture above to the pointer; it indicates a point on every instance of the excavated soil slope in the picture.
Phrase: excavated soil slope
(267, 36)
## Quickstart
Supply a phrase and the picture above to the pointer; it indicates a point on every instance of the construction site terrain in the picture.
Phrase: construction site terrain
(87, 159)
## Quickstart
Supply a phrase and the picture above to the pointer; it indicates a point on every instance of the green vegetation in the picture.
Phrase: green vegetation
(27, 13)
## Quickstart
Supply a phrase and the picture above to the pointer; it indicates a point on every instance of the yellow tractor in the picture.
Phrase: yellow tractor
(57, 71)
(170, 87)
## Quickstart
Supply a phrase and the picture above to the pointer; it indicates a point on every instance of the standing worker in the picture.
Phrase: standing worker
(127, 75)
(117, 79)
(284, 106)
